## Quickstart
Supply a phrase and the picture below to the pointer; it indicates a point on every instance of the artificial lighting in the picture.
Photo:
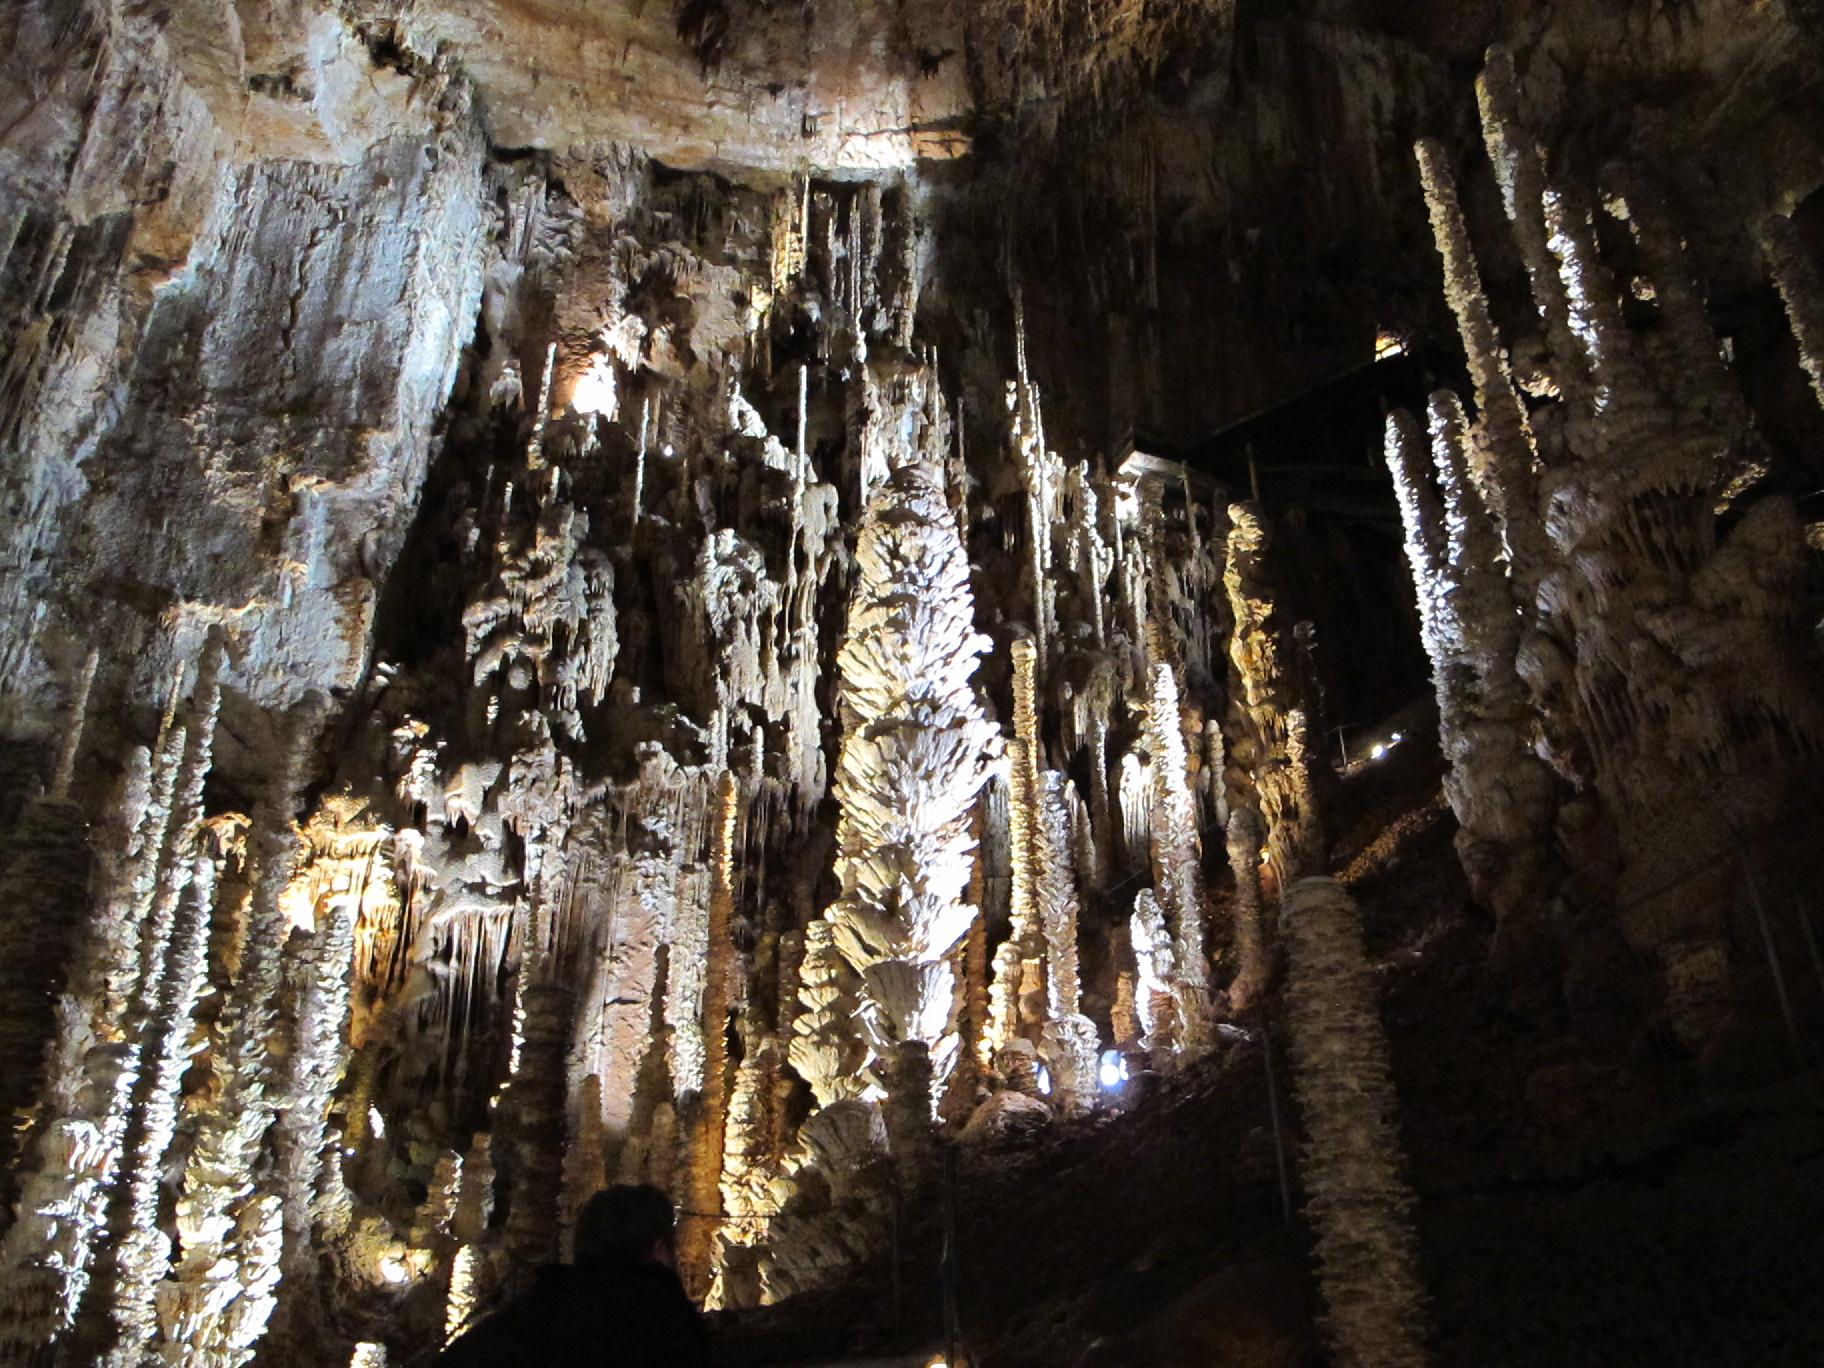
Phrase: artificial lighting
(1378, 751)
(376, 1123)
(595, 391)
(1044, 1081)
(1112, 1071)
(1387, 343)
(393, 1271)
(667, 451)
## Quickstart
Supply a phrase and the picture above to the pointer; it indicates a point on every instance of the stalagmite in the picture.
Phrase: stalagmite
(1520, 173)
(826, 1048)
(1266, 709)
(914, 755)
(1254, 961)
(45, 1256)
(1156, 980)
(1503, 469)
(702, 1193)
(144, 1250)
(1802, 289)
(1356, 1198)
(1070, 1038)
(534, 1111)
(1178, 862)
(319, 1053)
(217, 1302)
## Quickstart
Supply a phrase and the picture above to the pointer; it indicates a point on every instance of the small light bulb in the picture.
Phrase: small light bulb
(1044, 1080)
(1378, 751)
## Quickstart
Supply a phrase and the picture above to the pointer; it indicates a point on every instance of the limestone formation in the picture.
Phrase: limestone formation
(1356, 1196)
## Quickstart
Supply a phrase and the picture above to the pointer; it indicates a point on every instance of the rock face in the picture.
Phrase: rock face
(596, 592)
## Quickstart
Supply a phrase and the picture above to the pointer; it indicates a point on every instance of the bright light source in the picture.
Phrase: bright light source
(667, 451)
(1388, 344)
(595, 392)
(393, 1271)
(1378, 751)
(1045, 1080)
(1112, 1071)
(1397, 738)
(376, 1123)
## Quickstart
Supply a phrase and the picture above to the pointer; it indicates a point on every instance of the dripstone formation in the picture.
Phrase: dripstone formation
(804, 603)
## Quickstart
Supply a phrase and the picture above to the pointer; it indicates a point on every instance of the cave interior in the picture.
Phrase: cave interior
(1125, 683)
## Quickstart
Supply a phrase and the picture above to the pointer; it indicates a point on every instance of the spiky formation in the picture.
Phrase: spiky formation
(1178, 860)
(915, 752)
(214, 1308)
(1356, 1199)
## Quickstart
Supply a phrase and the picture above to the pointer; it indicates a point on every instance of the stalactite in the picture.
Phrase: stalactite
(1503, 470)
(1357, 1201)
(217, 1303)
(1253, 957)
(1178, 862)
(1801, 288)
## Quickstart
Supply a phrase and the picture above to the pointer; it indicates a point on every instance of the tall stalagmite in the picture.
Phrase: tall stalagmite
(1356, 1198)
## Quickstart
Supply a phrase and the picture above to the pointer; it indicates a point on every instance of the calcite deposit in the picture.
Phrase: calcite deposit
(803, 602)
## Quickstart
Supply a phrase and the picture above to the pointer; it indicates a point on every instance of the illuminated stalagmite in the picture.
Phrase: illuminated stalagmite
(220, 1293)
(1651, 645)
(1356, 1197)
(1178, 862)
(1267, 710)
(1499, 789)
(914, 755)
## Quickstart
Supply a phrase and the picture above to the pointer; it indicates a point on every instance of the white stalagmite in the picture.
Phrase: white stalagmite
(1069, 1037)
(1025, 937)
(173, 941)
(1503, 469)
(915, 752)
(1178, 861)
(144, 1252)
(1520, 172)
(826, 1048)
(319, 1055)
(215, 1306)
(1156, 978)
(1356, 1199)
(44, 1259)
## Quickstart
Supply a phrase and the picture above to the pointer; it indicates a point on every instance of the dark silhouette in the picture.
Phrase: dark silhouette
(619, 1305)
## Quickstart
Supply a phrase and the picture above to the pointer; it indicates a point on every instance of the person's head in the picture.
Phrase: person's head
(628, 1223)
